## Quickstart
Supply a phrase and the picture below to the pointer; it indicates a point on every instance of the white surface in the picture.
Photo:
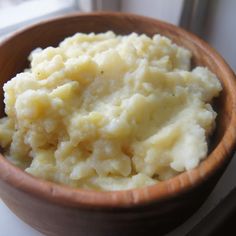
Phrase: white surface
(10, 225)
(31, 9)
(169, 10)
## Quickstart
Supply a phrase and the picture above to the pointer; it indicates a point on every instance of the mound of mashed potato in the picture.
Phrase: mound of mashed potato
(109, 112)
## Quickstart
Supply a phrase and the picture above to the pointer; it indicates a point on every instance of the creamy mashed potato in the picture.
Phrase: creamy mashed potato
(109, 112)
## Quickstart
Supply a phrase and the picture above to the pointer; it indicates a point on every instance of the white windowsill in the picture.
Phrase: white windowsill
(12, 18)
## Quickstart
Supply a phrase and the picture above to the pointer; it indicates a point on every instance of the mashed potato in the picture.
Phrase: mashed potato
(109, 112)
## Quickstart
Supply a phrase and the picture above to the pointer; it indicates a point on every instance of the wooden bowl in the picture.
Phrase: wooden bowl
(59, 210)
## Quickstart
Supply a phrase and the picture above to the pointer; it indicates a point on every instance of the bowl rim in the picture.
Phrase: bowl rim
(68, 196)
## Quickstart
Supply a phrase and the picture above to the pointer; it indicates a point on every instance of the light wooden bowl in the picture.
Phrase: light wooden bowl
(59, 210)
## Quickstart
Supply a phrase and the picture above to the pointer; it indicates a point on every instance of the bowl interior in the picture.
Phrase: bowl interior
(14, 53)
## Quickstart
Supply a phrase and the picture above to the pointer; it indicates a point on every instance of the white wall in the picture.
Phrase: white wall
(221, 29)
(167, 10)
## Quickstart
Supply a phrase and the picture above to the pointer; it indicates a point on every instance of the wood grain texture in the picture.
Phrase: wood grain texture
(58, 210)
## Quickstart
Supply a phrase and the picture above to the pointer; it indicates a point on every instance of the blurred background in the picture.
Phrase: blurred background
(212, 20)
